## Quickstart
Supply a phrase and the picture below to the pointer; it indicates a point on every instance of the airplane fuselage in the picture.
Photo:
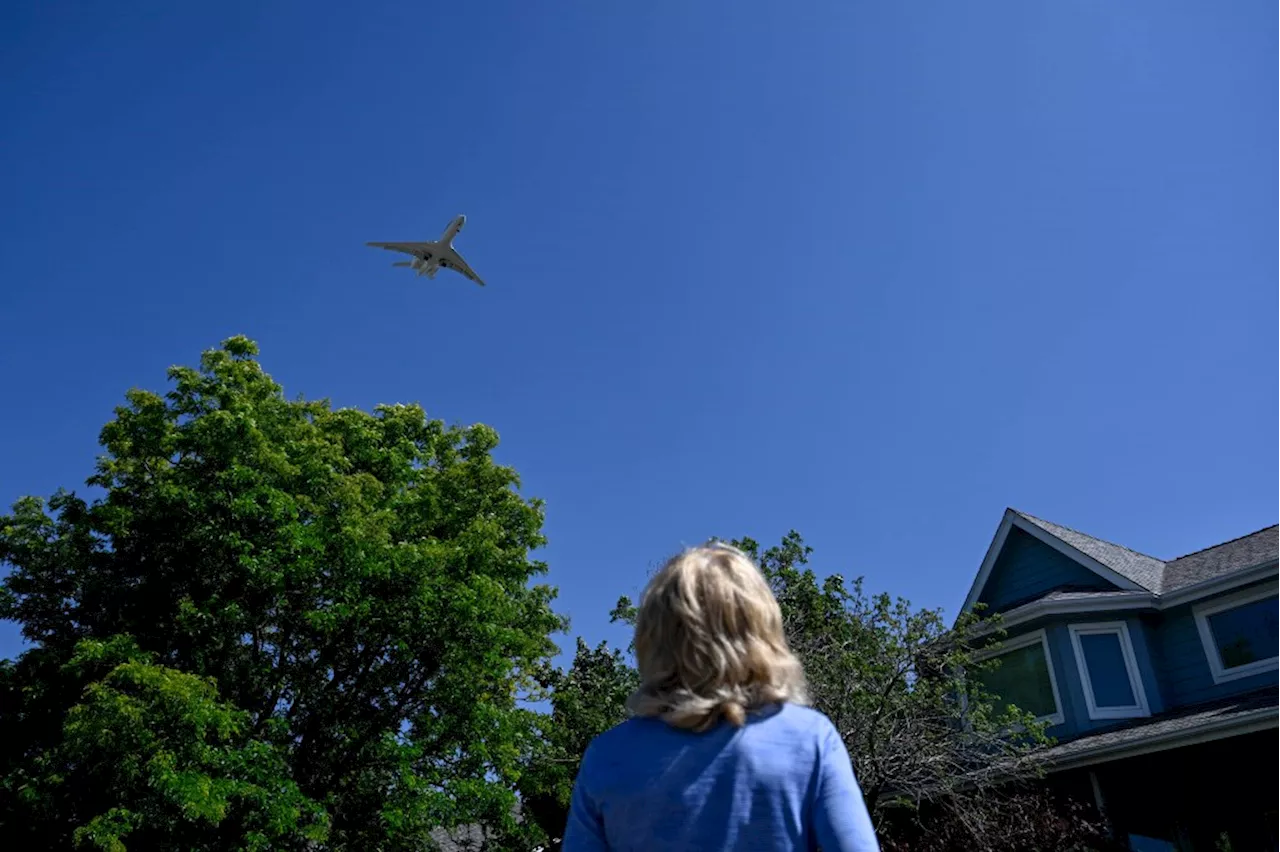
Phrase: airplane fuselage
(428, 262)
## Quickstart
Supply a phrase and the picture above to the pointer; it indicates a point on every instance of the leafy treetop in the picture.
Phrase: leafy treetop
(323, 622)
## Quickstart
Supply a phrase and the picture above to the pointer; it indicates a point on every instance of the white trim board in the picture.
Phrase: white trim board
(1120, 630)
(1114, 602)
(1012, 519)
(1202, 612)
(1024, 640)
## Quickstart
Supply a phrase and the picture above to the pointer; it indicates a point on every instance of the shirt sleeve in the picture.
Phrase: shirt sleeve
(584, 831)
(841, 821)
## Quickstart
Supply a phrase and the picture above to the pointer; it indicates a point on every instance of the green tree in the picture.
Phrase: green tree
(155, 759)
(586, 700)
(330, 618)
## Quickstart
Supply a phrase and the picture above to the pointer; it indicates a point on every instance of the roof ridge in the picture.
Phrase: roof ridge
(1219, 544)
(1103, 540)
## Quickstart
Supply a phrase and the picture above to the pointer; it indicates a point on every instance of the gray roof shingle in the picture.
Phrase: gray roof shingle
(1238, 554)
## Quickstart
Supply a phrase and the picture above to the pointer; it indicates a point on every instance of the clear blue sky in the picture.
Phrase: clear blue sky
(874, 271)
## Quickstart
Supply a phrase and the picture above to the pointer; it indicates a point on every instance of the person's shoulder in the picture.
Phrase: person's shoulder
(619, 748)
(805, 720)
(624, 736)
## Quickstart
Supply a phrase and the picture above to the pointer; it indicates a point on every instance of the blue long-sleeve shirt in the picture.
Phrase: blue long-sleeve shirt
(783, 781)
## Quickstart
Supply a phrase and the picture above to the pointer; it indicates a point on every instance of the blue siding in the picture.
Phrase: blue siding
(1148, 665)
(1149, 626)
(1185, 668)
(1028, 568)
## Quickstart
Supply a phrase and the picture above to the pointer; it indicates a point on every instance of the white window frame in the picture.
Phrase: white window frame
(1024, 640)
(1120, 629)
(1222, 674)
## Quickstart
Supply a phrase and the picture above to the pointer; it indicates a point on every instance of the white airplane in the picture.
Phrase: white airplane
(431, 256)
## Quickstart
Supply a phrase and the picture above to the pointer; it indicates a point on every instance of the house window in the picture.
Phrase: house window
(1108, 670)
(1024, 678)
(1239, 633)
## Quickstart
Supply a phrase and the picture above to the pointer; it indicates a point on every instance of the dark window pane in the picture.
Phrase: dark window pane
(1107, 672)
(1022, 679)
(1247, 633)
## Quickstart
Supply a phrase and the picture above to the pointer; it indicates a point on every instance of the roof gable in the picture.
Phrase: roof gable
(1019, 578)
(1099, 574)
(1028, 569)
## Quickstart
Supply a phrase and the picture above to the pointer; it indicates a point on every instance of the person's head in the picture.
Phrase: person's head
(709, 642)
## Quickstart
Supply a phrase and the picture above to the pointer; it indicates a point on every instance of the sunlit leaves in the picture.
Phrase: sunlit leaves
(165, 762)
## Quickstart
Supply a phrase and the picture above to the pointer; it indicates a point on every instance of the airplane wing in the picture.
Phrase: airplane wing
(450, 259)
(415, 249)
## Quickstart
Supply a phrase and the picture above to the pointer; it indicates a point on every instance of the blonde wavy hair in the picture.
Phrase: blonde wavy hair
(709, 642)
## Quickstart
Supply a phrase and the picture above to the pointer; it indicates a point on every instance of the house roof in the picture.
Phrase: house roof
(471, 837)
(1134, 572)
(1238, 554)
(463, 839)
(1241, 714)
(1146, 571)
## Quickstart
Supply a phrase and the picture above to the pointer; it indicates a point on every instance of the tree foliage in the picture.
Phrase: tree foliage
(586, 700)
(277, 622)
(899, 684)
(152, 757)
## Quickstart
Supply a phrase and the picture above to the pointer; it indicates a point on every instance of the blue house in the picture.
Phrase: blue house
(1157, 678)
